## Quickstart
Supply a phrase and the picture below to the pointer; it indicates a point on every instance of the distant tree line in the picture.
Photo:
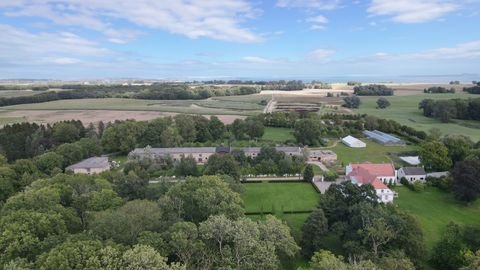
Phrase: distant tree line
(438, 90)
(284, 85)
(156, 92)
(354, 83)
(474, 89)
(445, 110)
(372, 90)
(320, 85)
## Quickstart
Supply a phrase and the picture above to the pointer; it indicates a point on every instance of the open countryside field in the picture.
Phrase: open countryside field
(404, 109)
(227, 108)
(89, 116)
(373, 153)
(434, 209)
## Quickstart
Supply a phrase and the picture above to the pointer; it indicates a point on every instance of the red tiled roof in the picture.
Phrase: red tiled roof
(383, 169)
(377, 184)
(369, 174)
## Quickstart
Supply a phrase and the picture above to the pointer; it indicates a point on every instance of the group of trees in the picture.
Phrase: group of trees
(474, 89)
(372, 90)
(269, 162)
(383, 103)
(319, 85)
(91, 222)
(456, 249)
(352, 102)
(124, 136)
(445, 110)
(250, 128)
(369, 233)
(164, 91)
(309, 131)
(459, 153)
(438, 90)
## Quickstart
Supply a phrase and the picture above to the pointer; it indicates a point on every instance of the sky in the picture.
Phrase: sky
(239, 39)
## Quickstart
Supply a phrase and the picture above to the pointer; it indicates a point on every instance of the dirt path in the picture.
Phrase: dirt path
(270, 106)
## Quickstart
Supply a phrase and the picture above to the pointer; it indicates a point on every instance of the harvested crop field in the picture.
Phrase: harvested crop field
(89, 116)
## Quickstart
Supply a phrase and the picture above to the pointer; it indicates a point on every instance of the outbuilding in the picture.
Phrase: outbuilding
(353, 142)
(412, 174)
(91, 165)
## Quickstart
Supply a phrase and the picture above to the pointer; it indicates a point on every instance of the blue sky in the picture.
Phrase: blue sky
(202, 39)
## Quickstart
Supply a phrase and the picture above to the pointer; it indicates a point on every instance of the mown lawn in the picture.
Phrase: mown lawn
(277, 134)
(374, 152)
(292, 196)
(277, 196)
(404, 109)
(434, 209)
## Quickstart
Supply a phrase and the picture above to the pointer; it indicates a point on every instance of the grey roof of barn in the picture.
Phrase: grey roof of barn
(213, 150)
(414, 171)
(176, 150)
(90, 163)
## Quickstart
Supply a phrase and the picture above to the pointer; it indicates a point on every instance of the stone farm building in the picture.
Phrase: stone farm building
(202, 154)
(325, 156)
(377, 175)
(412, 174)
(93, 165)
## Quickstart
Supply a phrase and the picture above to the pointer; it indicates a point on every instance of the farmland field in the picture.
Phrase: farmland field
(227, 108)
(434, 209)
(404, 109)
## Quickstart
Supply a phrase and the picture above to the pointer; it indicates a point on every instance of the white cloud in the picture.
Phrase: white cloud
(319, 22)
(412, 11)
(63, 61)
(460, 52)
(318, 19)
(217, 19)
(19, 47)
(467, 50)
(312, 4)
(257, 60)
(320, 55)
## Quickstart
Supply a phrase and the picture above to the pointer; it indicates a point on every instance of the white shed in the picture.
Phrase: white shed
(353, 142)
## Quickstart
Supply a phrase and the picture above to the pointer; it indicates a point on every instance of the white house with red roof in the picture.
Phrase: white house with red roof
(377, 175)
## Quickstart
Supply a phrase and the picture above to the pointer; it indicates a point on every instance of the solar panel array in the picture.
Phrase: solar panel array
(382, 137)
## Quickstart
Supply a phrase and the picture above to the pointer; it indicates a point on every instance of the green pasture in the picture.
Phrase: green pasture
(373, 153)
(404, 109)
(434, 209)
